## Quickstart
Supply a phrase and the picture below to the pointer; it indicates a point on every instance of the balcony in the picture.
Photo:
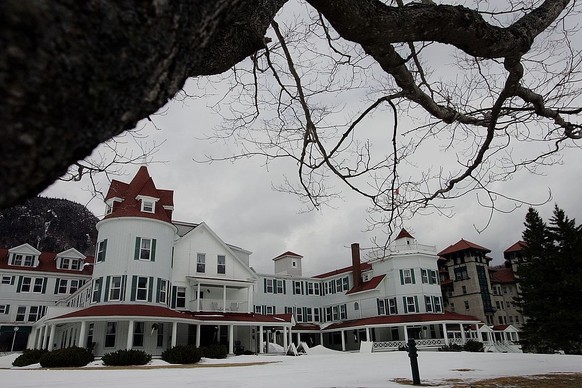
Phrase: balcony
(220, 305)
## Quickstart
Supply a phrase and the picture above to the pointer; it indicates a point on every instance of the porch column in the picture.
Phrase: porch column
(285, 338)
(445, 334)
(198, 331)
(198, 297)
(174, 333)
(343, 340)
(51, 337)
(224, 298)
(250, 299)
(463, 336)
(38, 338)
(321, 339)
(261, 340)
(45, 338)
(32, 339)
(405, 334)
(81, 341)
(368, 334)
(129, 335)
(230, 339)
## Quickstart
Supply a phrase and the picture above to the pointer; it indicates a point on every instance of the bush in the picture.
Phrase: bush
(451, 348)
(214, 351)
(68, 357)
(182, 355)
(473, 346)
(29, 357)
(124, 357)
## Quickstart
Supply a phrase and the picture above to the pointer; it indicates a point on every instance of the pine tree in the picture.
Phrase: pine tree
(550, 282)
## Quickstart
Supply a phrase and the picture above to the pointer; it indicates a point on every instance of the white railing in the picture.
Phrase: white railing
(387, 346)
(220, 305)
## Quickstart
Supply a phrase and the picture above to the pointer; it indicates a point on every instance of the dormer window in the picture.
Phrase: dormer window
(108, 209)
(70, 263)
(22, 260)
(148, 204)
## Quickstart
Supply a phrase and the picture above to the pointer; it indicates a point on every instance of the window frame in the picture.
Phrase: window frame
(101, 251)
(113, 288)
(221, 267)
(144, 290)
(110, 334)
(180, 299)
(201, 262)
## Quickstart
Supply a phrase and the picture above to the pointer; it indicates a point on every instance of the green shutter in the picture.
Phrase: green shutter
(401, 277)
(153, 255)
(416, 302)
(137, 248)
(19, 286)
(405, 305)
(44, 283)
(284, 286)
(12, 280)
(412, 273)
(133, 287)
(150, 288)
(57, 286)
(174, 291)
(106, 295)
(265, 285)
(158, 290)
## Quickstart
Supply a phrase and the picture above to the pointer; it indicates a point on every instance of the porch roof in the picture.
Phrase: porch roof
(403, 319)
(124, 310)
(241, 317)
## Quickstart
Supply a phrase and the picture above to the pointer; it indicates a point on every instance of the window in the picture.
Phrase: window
(464, 288)
(74, 286)
(4, 308)
(270, 310)
(356, 306)
(328, 314)
(65, 263)
(466, 305)
(38, 285)
(33, 313)
(294, 263)
(407, 276)
(428, 303)
(145, 250)
(20, 313)
(28, 261)
(343, 312)
(437, 304)
(299, 314)
(7, 279)
(433, 278)
(138, 331)
(392, 306)
(201, 262)
(147, 206)
(90, 332)
(181, 297)
(115, 288)
(269, 286)
(162, 290)
(101, 250)
(62, 286)
(338, 285)
(16, 259)
(308, 314)
(461, 273)
(22, 260)
(110, 335)
(335, 310)
(309, 288)
(96, 290)
(142, 288)
(316, 288)
(25, 286)
(221, 264)
(381, 307)
(410, 304)
(160, 339)
(316, 315)
(280, 286)
(424, 274)
(296, 287)
(346, 283)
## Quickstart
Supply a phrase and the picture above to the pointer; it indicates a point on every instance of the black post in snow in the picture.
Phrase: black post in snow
(413, 354)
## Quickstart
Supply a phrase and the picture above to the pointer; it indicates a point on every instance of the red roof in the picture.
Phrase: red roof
(517, 247)
(125, 310)
(461, 246)
(503, 275)
(367, 286)
(363, 266)
(306, 327)
(500, 327)
(141, 185)
(240, 317)
(408, 318)
(47, 263)
(286, 254)
(403, 234)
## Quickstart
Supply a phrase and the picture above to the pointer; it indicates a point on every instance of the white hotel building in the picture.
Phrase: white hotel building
(156, 283)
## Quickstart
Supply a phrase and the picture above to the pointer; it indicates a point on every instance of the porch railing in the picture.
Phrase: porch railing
(220, 305)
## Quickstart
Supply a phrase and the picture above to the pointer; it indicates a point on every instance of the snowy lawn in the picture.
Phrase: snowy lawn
(320, 368)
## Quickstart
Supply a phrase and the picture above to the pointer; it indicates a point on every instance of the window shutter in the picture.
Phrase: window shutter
(106, 295)
(137, 248)
(57, 285)
(133, 287)
(416, 303)
(378, 305)
(401, 277)
(12, 280)
(44, 283)
(123, 286)
(395, 306)
(405, 305)
(265, 285)
(174, 291)
(412, 273)
(19, 286)
(153, 250)
(158, 290)
(150, 288)
(284, 286)
(275, 285)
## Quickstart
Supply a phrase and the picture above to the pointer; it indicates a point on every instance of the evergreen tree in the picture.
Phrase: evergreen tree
(550, 280)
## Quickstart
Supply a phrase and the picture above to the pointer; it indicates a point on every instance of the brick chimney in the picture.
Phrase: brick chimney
(356, 269)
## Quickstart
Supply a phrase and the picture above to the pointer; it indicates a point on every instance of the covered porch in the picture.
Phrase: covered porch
(224, 295)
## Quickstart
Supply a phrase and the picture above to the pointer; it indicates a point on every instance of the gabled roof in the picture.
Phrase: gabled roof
(461, 246)
(363, 266)
(517, 247)
(287, 254)
(47, 263)
(403, 234)
(142, 185)
(370, 285)
(502, 275)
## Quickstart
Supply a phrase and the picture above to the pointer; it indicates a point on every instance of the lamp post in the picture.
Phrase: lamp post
(413, 354)
(14, 338)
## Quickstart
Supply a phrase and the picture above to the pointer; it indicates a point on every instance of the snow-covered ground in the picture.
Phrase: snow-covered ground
(319, 368)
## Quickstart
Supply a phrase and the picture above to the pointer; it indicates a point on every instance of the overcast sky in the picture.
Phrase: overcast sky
(237, 200)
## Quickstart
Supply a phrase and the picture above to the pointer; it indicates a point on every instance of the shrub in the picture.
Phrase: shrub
(182, 355)
(473, 346)
(29, 357)
(124, 357)
(214, 351)
(67, 357)
(451, 348)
